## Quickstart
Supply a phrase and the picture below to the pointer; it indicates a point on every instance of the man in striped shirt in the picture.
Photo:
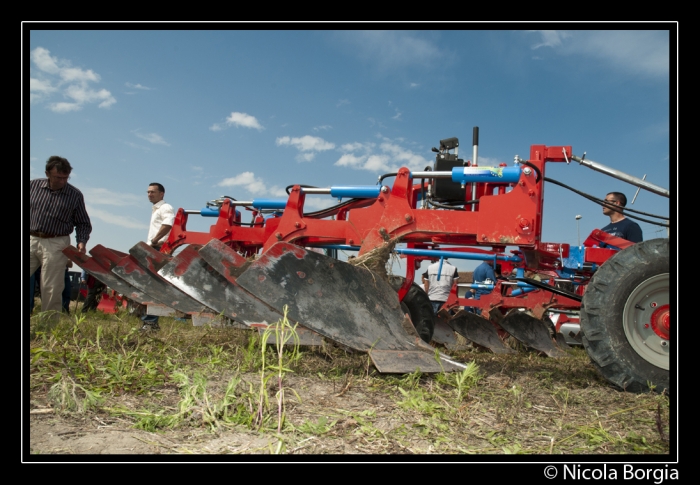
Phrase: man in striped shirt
(56, 208)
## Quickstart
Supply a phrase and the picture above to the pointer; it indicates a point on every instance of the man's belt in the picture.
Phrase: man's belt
(44, 235)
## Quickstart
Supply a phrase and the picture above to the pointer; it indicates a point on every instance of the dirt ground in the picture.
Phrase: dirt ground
(358, 416)
(336, 403)
(52, 433)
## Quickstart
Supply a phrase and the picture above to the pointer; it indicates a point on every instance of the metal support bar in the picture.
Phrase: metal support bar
(599, 167)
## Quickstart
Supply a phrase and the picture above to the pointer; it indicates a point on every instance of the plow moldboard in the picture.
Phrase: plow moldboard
(191, 273)
(531, 331)
(103, 274)
(480, 331)
(342, 302)
(131, 270)
(226, 264)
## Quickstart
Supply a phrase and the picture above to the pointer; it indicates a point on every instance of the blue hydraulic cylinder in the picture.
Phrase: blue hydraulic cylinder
(435, 253)
(477, 286)
(463, 175)
(356, 192)
(213, 212)
(521, 291)
(209, 212)
(269, 204)
(342, 247)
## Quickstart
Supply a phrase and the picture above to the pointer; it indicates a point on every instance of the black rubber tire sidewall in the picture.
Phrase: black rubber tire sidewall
(602, 310)
(419, 308)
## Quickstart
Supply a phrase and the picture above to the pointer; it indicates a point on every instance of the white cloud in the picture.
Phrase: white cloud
(154, 138)
(100, 196)
(550, 38)
(39, 88)
(356, 146)
(64, 107)
(117, 220)
(137, 86)
(307, 145)
(238, 119)
(322, 127)
(413, 85)
(390, 158)
(391, 50)
(305, 157)
(350, 160)
(52, 75)
(43, 60)
(397, 116)
(73, 74)
(342, 102)
(635, 52)
(253, 184)
(134, 145)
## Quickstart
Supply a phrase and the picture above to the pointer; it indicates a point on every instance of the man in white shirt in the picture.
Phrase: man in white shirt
(438, 285)
(162, 218)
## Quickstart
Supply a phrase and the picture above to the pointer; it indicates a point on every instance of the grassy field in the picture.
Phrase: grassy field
(99, 385)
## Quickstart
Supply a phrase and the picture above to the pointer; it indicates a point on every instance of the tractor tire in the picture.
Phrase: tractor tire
(419, 308)
(625, 318)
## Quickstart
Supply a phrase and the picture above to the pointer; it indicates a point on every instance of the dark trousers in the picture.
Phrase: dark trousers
(91, 300)
(65, 296)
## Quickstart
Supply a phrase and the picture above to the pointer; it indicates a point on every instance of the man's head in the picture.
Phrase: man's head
(614, 198)
(155, 192)
(58, 171)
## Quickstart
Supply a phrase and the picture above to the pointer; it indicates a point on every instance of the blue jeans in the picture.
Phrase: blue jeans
(150, 319)
(475, 296)
(436, 306)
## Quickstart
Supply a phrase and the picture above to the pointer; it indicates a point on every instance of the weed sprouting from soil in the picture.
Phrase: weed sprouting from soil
(285, 337)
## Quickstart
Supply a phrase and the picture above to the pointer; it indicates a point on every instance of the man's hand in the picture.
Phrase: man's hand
(81, 247)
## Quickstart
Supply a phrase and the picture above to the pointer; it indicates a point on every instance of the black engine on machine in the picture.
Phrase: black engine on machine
(444, 189)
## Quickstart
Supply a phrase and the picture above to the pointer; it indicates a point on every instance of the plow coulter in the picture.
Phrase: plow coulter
(610, 295)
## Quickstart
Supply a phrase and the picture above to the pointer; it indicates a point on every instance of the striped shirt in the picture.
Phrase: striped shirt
(58, 212)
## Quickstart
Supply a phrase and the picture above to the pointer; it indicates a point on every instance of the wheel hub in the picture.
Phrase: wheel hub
(646, 320)
(661, 322)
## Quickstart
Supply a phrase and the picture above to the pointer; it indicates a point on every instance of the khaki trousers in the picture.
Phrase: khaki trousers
(47, 253)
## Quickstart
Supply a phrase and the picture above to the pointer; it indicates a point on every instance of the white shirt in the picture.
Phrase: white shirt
(162, 214)
(440, 290)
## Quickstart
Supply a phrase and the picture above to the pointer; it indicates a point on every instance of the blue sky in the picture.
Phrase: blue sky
(246, 113)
